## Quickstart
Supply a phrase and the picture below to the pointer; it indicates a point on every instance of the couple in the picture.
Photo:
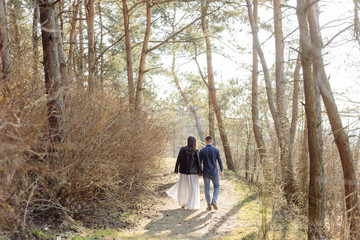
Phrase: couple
(186, 191)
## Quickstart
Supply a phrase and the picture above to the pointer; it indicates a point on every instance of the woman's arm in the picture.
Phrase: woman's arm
(178, 162)
(199, 162)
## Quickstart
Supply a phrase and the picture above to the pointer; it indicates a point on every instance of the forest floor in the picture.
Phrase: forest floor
(161, 217)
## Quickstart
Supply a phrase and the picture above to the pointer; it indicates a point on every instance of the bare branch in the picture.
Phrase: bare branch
(181, 30)
(336, 35)
(287, 6)
(102, 53)
(198, 65)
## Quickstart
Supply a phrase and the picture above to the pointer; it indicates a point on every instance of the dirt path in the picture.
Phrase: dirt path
(164, 219)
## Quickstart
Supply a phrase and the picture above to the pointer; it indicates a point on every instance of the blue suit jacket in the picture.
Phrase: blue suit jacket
(209, 156)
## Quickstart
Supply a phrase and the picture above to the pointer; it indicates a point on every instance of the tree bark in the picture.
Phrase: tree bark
(247, 151)
(254, 97)
(254, 167)
(281, 106)
(35, 40)
(61, 19)
(211, 119)
(14, 8)
(265, 70)
(55, 105)
(76, 7)
(340, 136)
(279, 118)
(101, 48)
(210, 104)
(295, 106)
(129, 68)
(90, 18)
(356, 20)
(81, 63)
(4, 45)
(254, 93)
(211, 83)
(304, 167)
(357, 153)
(316, 185)
(144, 52)
(63, 69)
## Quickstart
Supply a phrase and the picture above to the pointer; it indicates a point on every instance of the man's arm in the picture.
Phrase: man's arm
(201, 157)
(199, 162)
(220, 163)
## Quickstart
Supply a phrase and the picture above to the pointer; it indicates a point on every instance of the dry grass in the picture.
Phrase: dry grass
(107, 156)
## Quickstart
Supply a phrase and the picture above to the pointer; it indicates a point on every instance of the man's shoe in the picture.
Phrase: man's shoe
(208, 208)
(214, 205)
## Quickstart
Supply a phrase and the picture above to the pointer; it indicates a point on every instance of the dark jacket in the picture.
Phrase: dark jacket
(209, 156)
(189, 164)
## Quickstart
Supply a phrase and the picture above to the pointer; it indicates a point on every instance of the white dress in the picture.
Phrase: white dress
(186, 191)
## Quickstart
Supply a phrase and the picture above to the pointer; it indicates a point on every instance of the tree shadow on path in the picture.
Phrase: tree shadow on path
(178, 223)
(182, 224)
(227, 216)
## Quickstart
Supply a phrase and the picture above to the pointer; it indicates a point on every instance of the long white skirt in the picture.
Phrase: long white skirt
(186, 191)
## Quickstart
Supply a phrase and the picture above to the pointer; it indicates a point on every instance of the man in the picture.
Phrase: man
(209, 156)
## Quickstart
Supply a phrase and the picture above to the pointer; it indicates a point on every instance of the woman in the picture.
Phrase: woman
(186, 191)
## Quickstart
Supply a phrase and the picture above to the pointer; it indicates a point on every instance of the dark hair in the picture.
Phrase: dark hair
(209, 139)
(191, 145)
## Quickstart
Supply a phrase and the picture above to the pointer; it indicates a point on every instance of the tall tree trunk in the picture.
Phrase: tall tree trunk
(63, 69)
(281, 106)
(247, 151)
(129, 67)
(295, 108)
(265, 70)
(254, 93)
(211, 119)
(101, 47)
(357, 154)
(357, 20)
(269, 93)
(144, 51)
(81, 63)
(316, 185)
(254, 97)
(61, 19)
(14, 9)
(304, 167)
(48, 18)
(211, 83)
(4, 44)
(254, 167)
(90, 18)
(340, 136)
(288, 180)
(35, 40)
(185, 98)
(320, 138)
(76, 7)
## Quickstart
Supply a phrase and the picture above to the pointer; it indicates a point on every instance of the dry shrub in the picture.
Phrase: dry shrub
(334, 192)
(22, 145)
(107, 156)
(107, 149)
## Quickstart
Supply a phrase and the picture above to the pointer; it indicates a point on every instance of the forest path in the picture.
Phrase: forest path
(238, 213)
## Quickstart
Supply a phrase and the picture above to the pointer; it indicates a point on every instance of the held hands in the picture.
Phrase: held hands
(221, 174)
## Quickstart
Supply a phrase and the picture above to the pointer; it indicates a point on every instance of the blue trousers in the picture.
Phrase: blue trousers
(216, 183)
